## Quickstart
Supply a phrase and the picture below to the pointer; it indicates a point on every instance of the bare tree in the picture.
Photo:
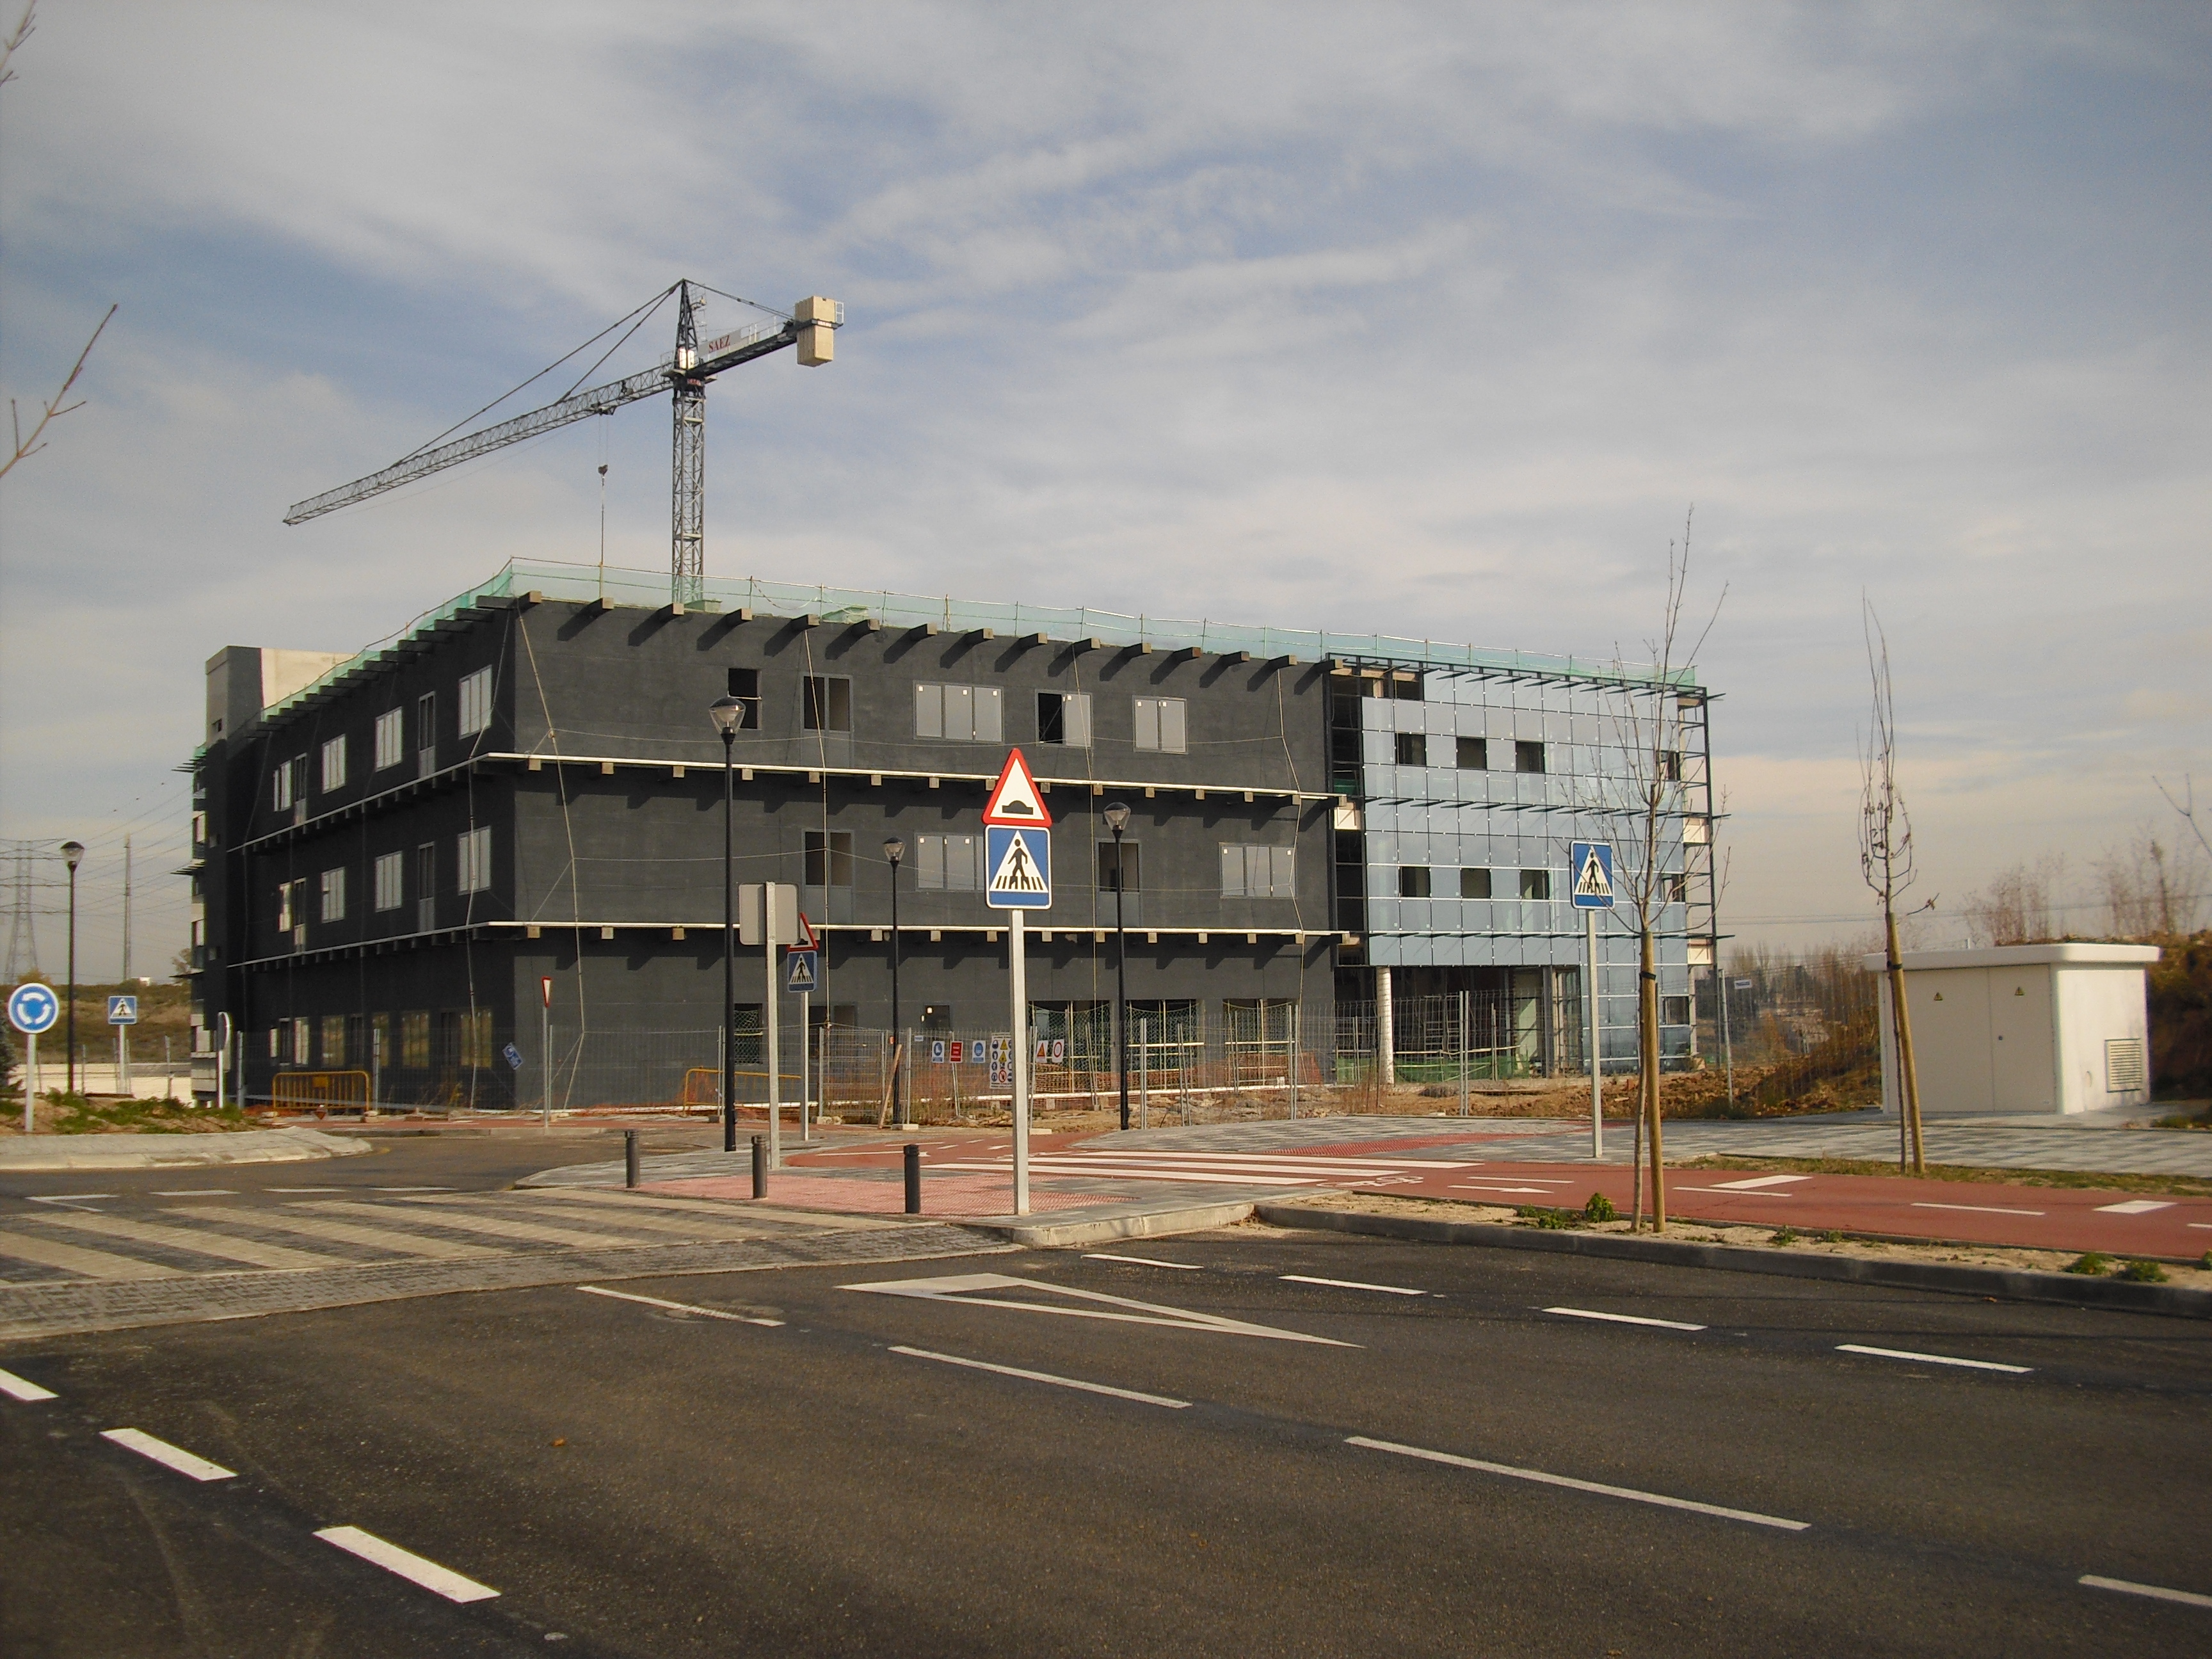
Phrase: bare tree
(2151, 889)
(1886, 863)
(2020, 905)
(2186, 806)
(1651, 722)
(57, 405)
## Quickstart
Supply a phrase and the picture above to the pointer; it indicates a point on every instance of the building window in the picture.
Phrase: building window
(1670, 765)
(829, 702)
(1475, 884)
(949, 864)
(748, 1034)
(391, 738)
(1412, 749)
(415, 1039)
(1535, 884)
(829, 857)
(474, 859)
(379, 1041)
(283, 784)
(291, 904)
(1121, 867)
(334, 764)
(1414, 881)
(475, 1039)
(1160, 724)
(744, 686)
(1676, 889)
(1674, 1010)
(1258, 872)
(1473, 754)
(959, 714)
(1064, 717)
(426, 723)
(333, 896)
(476, 703)
(1527, 756)
(391, 880)
(334, 1041)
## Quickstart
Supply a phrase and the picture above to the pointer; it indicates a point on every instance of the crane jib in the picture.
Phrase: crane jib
(598, 400)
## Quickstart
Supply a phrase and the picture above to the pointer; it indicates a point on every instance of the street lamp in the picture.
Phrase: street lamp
(72, 854)
(728, 714)
(895, 850)
(1117, 820)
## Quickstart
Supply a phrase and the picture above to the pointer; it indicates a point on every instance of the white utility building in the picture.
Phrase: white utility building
(2023, 1029)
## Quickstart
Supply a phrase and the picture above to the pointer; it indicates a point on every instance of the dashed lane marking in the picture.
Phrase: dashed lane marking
(1145, 1262)
(416, 1569)
(1755, 1182)
(1624, 1319)
(22, 1389)
(2156, 1592)
(1976, 1209)
(493, 1226)
(955, 1289)
(73, 1258)
(1045, 1376)
(169, 1456)
(1349, 1285)
(1932, 1358)
(1545, 1477)
(310, 1189)
(221, 1246)
(194, 1192)
(2134, 1207)
(679, 1307)
(72, 1198)
(410, 1189)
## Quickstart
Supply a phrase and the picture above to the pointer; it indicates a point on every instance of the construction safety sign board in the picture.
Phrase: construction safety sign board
(800, 970)
(1020, 866)
(32, 1008)
(123, 1011)
(1054, 1053)
(1002, 1062)
(1590, 872)
(1016, 802)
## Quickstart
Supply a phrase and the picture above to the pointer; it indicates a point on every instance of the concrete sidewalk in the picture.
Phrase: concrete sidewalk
(24, 1154)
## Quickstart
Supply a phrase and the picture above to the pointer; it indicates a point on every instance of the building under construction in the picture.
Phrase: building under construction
(1345, 852)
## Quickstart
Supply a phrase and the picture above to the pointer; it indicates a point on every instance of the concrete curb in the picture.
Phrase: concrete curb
(1103, 1230)
(2014, 1285)
(51, 1153)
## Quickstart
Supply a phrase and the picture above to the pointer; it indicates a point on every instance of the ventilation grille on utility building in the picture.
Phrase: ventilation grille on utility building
(2124, 1065)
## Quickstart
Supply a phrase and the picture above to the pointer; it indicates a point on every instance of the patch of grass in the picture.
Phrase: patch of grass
(1600, 1208)
(2139, 1272)
(1549, 1220)
(73, 1114)
(2093, 1262)
(1833, 1236)
(2098, 1180)
(2182, 1121)
(1783, 1235)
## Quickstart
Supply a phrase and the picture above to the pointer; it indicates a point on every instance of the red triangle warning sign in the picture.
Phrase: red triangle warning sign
(1015, 801)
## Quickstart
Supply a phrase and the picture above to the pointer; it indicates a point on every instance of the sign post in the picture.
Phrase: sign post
(1589, 863)
(545, 1050)
(1018, 854)
(122, 1014)
(802, 973)
(31, 1008)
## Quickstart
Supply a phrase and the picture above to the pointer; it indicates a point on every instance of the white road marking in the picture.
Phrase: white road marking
(392, 1240)
(679, 1307)
(2200, 1226)
(195, 1241)
(21, 1388)
(1756, 1183)
(72, 1198)
(194, 1192)
(169, 1456)
(469, 1221)
(2133, 1206)
(1624, 1319)
(409, 1565)
(1349, 1285)
(1146, 1261)
(1733, 1192)
(1487, 1187)
(309, 1189)
(1933, 1359)
(954, 1287)
(1045, 1376)
(410, 1189)
(2156, 1592)
(1976, 1209)
(1207, 1177)
(1602, 1491)
(72, 1258)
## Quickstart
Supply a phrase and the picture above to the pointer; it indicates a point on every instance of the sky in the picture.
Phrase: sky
(1427, 320)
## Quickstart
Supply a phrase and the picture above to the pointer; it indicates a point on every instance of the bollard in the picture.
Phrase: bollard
(629, 1157)
(913, 1179)
(760, 1167)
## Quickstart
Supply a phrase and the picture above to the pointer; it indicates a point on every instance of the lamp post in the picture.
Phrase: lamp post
(72, 854)
(1117, 820)
(728, 714)
(895, 851)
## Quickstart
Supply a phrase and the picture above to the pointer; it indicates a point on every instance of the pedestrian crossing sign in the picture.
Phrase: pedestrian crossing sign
(800, 971)
(1590, 867)
(1020, 863)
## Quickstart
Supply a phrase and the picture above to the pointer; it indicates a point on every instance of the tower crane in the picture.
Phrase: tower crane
(809, 327)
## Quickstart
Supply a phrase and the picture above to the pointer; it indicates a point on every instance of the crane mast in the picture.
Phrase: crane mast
(810, 328)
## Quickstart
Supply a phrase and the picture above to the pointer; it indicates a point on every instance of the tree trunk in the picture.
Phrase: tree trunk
(1908, 1076)
(1647, 1023)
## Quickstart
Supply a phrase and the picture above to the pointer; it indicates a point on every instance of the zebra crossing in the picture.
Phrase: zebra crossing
(82, 1240)
(1258, 1169)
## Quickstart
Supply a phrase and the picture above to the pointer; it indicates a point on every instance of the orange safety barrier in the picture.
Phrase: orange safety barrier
(320, 1090)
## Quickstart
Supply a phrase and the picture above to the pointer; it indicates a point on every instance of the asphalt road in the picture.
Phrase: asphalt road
(636, 1479)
